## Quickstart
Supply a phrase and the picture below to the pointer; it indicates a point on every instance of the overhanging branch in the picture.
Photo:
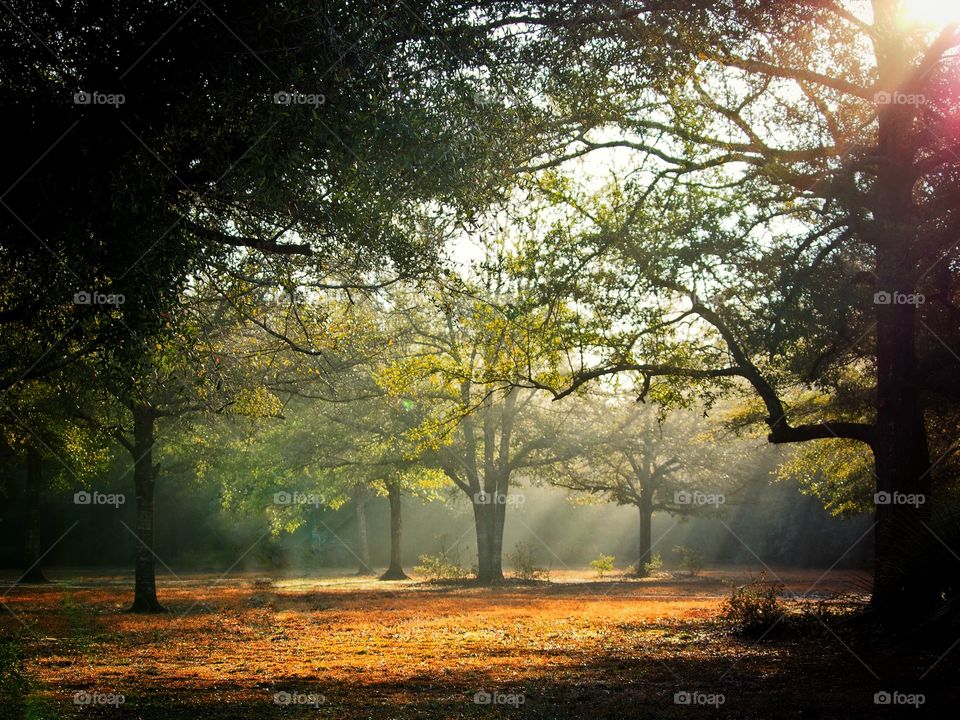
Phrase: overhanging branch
(270, 246)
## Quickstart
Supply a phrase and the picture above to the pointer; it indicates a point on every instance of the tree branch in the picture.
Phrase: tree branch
(270, 246)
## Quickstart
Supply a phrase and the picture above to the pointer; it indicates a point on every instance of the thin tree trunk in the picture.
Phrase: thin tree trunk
(499, 512)
(363, 541)
(144, 479)
(645, 540)
(395, 571)
(32, 551)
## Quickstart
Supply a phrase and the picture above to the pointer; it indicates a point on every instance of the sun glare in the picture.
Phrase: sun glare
(931, 13)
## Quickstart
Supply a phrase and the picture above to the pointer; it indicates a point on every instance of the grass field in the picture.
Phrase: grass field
(348, 647)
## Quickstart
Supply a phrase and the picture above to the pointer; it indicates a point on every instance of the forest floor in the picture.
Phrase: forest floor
(348, 647)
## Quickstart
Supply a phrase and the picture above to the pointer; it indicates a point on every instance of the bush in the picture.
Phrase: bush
(690, 560)
(755, 607)
(439, 567)
(654, 566)
(603, 564)
(13, 682)
(524, 564)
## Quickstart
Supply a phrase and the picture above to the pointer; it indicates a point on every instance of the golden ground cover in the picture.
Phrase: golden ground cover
(346, 647)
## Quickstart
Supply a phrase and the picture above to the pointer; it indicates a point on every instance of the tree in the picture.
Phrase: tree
(189, 370)
(55, 452)
(359, 498)
(656, 461)
(157, 141)
(338, 435)
(798, 147)
(458, 374)
(142, 162)
(364, 429)
(374, 453)
(394, 570)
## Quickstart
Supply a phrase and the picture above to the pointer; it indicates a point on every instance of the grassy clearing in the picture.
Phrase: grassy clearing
(343, 647)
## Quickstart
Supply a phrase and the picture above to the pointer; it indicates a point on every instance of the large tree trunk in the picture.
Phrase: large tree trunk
(489, 522)
(395, 571)
(363, 541)
(645, 543)
(144, 479)
(32, 550)
(900, 591)
(900, 450)
(482, 520)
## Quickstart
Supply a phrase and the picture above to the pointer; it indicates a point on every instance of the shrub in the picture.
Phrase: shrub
(690, 560)
(603, 564)
(13, 681)
(524, 563)
(754, 607)
(655, 565)
(439, 567)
